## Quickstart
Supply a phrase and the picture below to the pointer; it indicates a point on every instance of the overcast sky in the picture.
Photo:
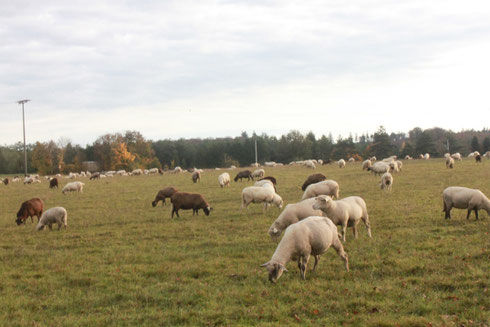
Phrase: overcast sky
(172, 69)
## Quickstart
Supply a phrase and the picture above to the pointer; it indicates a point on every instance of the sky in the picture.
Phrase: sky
(186, 69)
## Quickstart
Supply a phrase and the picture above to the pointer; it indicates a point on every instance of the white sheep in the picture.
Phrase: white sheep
(352, 160)
(486, 155)
(56, 215)
(291, 214)
(259, 194)
(270, 164)
(464, 198)
(320, 162)
(311, 236)
(456, 156)
(138, 171)
(449, 162)
(393, 167)
(232, 167)
(224, 180)
(379, 168)
(426, 156)
(373, 158)
(400, 165)
(366, 164)
(328, 187)
(177, 170)
(310, 164)
(341, 163)
(153, 171)
(447, 155)
(407, 157)
(386, 181)
(73, 187)
(345, 212)
(259, 173)
(264, 182)
(121, 172)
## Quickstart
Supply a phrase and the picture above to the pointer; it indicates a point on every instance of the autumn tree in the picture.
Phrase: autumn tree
(121, 158)
(41, 159)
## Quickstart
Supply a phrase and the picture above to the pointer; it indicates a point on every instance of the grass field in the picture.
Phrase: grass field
(122, 262)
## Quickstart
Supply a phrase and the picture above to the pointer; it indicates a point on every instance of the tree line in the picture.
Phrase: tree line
(130, 150)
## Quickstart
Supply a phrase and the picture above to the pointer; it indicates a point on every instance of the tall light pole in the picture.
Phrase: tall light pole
(24, 130)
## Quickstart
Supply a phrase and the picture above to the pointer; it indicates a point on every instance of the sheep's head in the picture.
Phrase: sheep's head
(19, 221)
(322, 202)
(207, 210)
(154, 203)
(274, 232)
(275, 270)
(278, 201)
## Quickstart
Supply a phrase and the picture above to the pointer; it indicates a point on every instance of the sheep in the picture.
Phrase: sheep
(366, 164)
(255, 164)
(5, 181)
(426, 156)
(478, 158)
(270, 178)
(400, 165)
(259, 194)
(341, 163)
(449, 162)
(196, 176)
(328, 187)
(351, 160)
(386, 181)
(373, 158)
(486, 155)
(259, 173)
(421, 156)
(312, 179)
(29, 208)
(53, 183)
(72, 187)
(393, 167)
(164, 194)
(291, 214)
(138, 171)
(270, 164)
(153, 171)
(464, 198)
(456, 156)
(146, 171)
(187, 201)
(346, 212)
(16, 179)
(310, 236)
(56, 215)
(446, 155)
(310, 164)
(407, 157)
(379, 168)
(95, 175)
(224, 180)
(232, 167)
(244, 174)
(320, 162)
(121, 172)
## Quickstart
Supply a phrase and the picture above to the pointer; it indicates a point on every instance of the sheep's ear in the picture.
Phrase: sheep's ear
(283, 268)
(265, 264)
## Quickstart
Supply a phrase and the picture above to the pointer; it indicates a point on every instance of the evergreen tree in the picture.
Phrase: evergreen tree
(424, 143)
(475, 146)
(486, 144)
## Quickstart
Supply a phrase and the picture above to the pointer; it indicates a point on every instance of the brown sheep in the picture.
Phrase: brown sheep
(164, 194)
(196, 177)
(272, 179)
(53, 182)
(30, 208)
(244, 174)
(187, 201)
(478, 158)
(6, 181)
(95, 176)
(312, 179)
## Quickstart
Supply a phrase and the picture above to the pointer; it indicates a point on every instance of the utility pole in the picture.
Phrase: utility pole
(24, 130)
(255, 150)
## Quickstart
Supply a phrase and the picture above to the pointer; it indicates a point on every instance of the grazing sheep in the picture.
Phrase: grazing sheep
(30, 208)
(327, 162)
(394, 167)
(255, 164)
(153, 171)
(270, 164)
(291, 214)
(244, 174)
(352, 160)
(95, 175)
(312, 179)
(366, 164)
(16, 179)
(73, 187)
(232, 167)
(310, 236)
(449, 162)
(426, 156)
(456, 156)
(224, 180)
(259, 173)
(6, 181)
(310, 164)
(400, 165)
(379, 168)
(196, 176)
(446, 155)
(121, 172)
(486, 155)
(164, 194)
(341, 163)
(187, 201)
(260, 194)
(56, 215)
(346, 212)
(328, 187)
(53, 183)
(270, 178)
(31, 179)
(373, 158)
(386, 181)
(421, 156)
(464, 198)
(407, 157)
(478, 158)
(138, 171)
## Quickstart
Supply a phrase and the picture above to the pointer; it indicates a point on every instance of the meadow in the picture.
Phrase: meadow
(122, 262)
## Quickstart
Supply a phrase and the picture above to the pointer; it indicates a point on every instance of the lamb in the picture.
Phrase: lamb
(379, 168)
(346, 212)
(29, 208)
(259, 173)
(224, 180)
(187, 201)
(244, 174)
(386, 181)
(328, 187)
(311, 236)
(464, 198)
(312, 179)
(196, 176)
(53, 183)
(164, 194)
(56, 215)
(366, 164)
(291, 214)
(341, 163)
(449, 162)
(73, 187)
(260, 194)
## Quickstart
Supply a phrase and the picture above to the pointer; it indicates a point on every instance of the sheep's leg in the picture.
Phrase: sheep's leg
(468, 215)
(337, 245)
(59, 226)
(317, 259)
(50, 226)
(354, 231)
(367, 224)
(344, 230)
(303, 265)
(476, 213)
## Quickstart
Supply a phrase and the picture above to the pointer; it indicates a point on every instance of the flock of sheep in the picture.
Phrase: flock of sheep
(310, 225)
